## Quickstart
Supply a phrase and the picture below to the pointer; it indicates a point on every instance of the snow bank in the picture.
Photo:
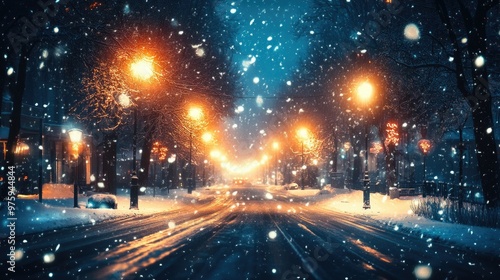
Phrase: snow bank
(397, 214)
(56, 209)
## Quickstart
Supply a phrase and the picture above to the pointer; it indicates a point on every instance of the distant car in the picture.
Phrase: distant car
(292, 186)
(239, 181)
(243, 182)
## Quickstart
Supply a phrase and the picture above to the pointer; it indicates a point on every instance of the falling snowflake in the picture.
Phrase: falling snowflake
(412, 32)
(272, 234)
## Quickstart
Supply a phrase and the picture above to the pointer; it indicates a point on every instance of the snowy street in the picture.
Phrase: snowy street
(250, 139)
(257, 232)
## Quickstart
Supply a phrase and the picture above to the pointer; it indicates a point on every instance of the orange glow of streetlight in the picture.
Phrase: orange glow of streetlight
(142, 68)
(303, 133)
(264, 159)
(215, 154)
(276, 145)
(365, 92)
(195, 113)
(207, 137)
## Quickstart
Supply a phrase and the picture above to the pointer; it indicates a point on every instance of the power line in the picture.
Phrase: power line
(282, 97)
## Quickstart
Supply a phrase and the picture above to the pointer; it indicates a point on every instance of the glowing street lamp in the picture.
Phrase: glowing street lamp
(365, 96)
(365, 92)
(215, 154)
(303, 134)
(75, 136)
(142, 69)
(195, 113)
(207, 137)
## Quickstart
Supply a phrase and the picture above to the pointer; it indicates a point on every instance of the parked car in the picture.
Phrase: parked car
(102, 200)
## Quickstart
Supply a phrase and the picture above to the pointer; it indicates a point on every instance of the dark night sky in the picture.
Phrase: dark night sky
(266, 54)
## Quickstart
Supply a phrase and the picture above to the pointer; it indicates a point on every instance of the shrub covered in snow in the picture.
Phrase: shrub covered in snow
(446, 210)
(102, 201)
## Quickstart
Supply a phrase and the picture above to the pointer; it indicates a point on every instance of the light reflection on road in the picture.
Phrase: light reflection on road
(251, 233)
(139, 253)
(370, 250)
(130, 257)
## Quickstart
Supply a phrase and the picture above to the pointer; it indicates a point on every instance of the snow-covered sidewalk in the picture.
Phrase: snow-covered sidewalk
(56, 209)
(397, 214)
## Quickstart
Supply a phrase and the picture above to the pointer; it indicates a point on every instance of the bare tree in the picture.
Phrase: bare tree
(472, 81)
(370, 30)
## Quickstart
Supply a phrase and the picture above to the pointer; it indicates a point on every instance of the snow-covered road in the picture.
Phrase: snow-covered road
(246, 233)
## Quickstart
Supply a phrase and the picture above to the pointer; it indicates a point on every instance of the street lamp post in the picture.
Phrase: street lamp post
(142, 68)
(40, 163)
(425, 146)
(134, 143)
(134, 192)
(75, 136)
(302, 167)
(461, 148)
(207, 137)
(195, 113)
(49, 168)
(124, 100)
(275, 147)
(170, 161)
(191, 173)
(263, 162)
(303, 135)
(366, 179)
(348, 171)
(204, 172)
(154, 161)
(365, 93)
(215, 155)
